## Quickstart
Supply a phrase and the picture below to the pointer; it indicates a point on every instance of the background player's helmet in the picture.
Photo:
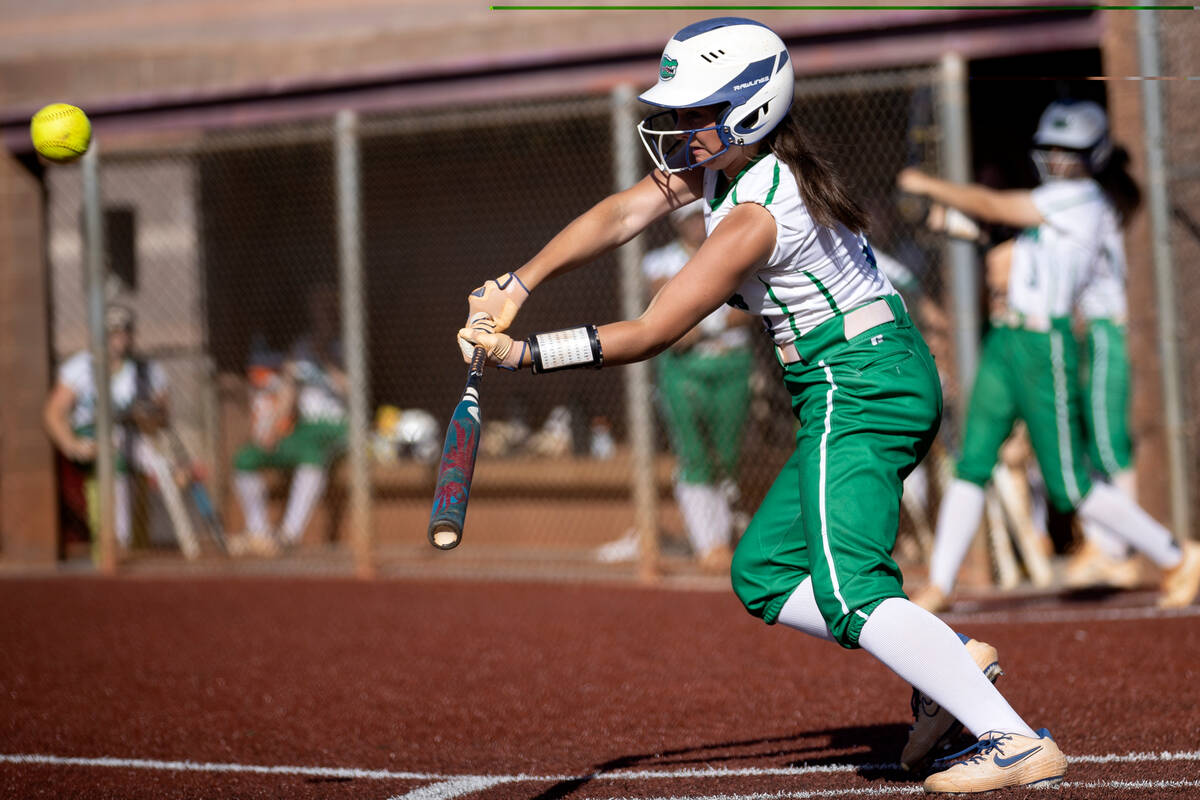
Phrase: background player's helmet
(729, 61)
(1077, 126)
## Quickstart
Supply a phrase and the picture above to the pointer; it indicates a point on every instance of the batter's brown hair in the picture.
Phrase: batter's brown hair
(821, 188)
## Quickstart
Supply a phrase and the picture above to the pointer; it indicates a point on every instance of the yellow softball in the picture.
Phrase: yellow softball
(61, 132)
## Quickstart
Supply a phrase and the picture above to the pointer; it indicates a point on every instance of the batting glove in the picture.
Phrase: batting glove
(501, 349)
(499, 299)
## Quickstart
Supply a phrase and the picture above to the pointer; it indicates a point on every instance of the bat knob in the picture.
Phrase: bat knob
(444, 537)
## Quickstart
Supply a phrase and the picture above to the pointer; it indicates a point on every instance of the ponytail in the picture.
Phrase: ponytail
(1120, 187)
(821, 188)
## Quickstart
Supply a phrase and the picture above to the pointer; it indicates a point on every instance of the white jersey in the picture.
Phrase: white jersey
(1104, 295)
(1053, 262)
(76, 373)
(814, 273)
(317, 400)
(716, 334)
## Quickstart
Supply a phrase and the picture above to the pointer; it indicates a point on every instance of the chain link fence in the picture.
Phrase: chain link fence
(1181, 115)
(226, 248)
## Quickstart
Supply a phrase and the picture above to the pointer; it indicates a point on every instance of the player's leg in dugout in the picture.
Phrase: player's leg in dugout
(682, 392)
(991, 413)
(313, 448)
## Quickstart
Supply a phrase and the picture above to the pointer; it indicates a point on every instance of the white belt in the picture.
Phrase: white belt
(854, 322)
(1029, 322)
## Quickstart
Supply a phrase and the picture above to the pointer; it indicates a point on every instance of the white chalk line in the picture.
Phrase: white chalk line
(456, 787)
(624, 775)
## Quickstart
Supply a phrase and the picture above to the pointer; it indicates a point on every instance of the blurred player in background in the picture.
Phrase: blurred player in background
(139, 405)
(1104, 558)
(1028, 366)
(786, 242)
(311, 388)
(704, 389)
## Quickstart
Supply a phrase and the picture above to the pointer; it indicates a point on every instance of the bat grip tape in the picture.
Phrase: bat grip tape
(569, 348)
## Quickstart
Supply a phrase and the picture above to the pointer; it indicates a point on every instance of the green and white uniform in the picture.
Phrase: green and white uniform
(1029, 364)
(321, 422)
(132, 448)
(76, 374)
(319, 436)
(868, 405)
(1106, 372)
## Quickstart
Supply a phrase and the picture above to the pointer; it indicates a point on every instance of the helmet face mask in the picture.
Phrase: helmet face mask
(737, 64)
(1057, 163)
(669, 145)
(1071, 129)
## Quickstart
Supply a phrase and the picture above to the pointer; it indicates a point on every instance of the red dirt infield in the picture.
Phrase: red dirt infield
(320, 687)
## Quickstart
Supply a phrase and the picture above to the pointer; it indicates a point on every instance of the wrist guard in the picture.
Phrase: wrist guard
(566, 349)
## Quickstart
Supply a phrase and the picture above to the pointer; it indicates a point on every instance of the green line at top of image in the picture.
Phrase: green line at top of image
(882, 7)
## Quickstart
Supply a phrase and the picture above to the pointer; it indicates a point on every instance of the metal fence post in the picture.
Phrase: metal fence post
(349, 221)
(94, 280)
(960, 255)
(643, 483)
(1164, 284)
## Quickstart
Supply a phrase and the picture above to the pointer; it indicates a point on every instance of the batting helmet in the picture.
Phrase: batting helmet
(1080, 126)
(732, 62)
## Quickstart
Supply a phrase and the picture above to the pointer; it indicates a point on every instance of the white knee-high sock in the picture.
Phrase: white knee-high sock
(801, 612)
(1126, 481)
(706, 515)
(922, 650)
(1110, 508)
(122, 521)
(958, 519)
(307, 485)
(1107, 543)
(252, 494)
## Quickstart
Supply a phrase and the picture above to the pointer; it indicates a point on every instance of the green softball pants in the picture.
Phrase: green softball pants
(311, 443)
(705, 399)
(869, 408)
(1029, 375)
(1105, 384)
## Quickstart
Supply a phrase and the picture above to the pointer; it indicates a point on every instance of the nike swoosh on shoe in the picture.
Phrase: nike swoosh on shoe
(1004, 763)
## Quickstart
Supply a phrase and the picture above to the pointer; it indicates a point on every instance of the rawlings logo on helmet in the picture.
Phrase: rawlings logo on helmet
(666, 69)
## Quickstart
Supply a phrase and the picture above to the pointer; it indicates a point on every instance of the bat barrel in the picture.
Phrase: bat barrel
(458, 464)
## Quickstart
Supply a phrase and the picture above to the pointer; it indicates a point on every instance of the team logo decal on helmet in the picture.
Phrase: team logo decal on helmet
(740, 66)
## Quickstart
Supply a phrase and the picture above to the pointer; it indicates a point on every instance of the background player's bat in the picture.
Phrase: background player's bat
(197, 491)
(458, 463)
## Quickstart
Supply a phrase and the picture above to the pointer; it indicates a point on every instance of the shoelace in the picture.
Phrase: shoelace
(915, 704)
(980, 749)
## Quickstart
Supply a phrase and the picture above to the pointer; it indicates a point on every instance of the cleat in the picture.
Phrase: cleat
(932, 599)
(933, 726)
(252, 544)
(1093, 567)
(999, 760)
(1181, 584)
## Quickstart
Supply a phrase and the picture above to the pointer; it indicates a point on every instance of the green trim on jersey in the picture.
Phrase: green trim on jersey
(824, 292)
(720, 194)
(791, 318)
(770, 195)
(774, 185)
